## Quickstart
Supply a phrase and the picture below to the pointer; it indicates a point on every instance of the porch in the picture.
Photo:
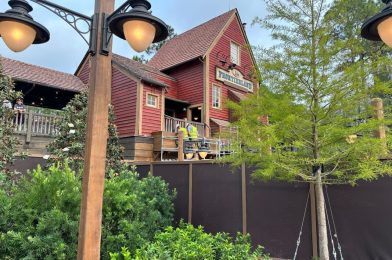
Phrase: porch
(35, 130)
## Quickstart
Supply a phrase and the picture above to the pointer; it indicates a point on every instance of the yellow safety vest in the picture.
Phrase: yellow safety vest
(193, 133)
(182, 129)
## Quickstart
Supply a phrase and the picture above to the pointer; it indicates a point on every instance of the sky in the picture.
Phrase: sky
(66, 48)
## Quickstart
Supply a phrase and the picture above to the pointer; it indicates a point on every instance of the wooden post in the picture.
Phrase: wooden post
(379, 115)
(244, 210)
(29, 126)
(180, 146)
(313, 217)
(89, 240)
(190, 193)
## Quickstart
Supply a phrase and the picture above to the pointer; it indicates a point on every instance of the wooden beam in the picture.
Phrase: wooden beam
(89, 240)
(244, 208)
(313, 217)
(180, 146)
(190, 193)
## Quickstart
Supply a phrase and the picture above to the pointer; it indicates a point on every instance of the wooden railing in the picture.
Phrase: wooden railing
(171, 123)
(36, 124)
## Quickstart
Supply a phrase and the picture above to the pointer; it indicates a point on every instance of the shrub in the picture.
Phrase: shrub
(40, 218)
(188, 242)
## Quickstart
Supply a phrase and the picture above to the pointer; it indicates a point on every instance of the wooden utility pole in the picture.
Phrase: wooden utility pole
(96, 141)
(180, 146)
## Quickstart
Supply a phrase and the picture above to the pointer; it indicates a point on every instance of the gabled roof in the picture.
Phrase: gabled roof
(20, 71)
(142, 71)
(191, 44)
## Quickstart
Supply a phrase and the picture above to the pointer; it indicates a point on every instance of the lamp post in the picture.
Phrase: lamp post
(131, 21)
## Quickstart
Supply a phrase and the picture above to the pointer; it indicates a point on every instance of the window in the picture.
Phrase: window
(152, 100)
(235, 53)
(216, 96)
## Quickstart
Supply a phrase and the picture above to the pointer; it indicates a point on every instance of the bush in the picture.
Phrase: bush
(188, 242)
(40, 219)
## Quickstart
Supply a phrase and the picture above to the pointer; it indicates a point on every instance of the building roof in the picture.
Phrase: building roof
(142, 71)
(220, 122)
(190, 44)
(236, 96)
(20, 71)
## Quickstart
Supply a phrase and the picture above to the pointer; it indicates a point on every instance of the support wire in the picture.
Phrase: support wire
(302, 225)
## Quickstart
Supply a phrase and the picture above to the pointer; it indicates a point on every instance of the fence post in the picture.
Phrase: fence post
(313, 217)
(244, 210)
(180, 146)
(29, 126)
(379, 115)
(190, 193)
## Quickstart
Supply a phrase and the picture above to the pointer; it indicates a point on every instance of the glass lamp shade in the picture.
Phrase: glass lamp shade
(385, 31)
(189, 156)
(17, 36)
(139, 34)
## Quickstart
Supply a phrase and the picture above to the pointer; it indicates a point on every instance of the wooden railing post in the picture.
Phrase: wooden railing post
(29, 126)
(180, 146)
(379, 115)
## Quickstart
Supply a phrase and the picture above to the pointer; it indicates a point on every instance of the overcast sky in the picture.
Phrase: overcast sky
(66, 48)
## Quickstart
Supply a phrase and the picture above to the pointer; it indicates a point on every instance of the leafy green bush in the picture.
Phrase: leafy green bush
(40, 218)
(188, 242)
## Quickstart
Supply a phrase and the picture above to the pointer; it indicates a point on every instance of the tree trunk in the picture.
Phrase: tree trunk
(321, 217)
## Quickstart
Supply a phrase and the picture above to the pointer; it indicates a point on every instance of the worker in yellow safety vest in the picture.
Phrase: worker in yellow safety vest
(182, 129)
(192, 131)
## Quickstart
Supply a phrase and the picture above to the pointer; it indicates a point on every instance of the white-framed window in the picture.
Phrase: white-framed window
(235, 53)
(152, 100)
(216, 96)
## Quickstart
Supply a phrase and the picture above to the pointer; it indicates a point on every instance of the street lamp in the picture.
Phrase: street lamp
(131, 21)
(379, 27)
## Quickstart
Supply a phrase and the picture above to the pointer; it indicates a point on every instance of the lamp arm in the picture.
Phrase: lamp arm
(71, 17)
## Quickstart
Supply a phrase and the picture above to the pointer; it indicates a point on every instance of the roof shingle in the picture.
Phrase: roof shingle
(20, 71)
(143, 71)
(190, 44)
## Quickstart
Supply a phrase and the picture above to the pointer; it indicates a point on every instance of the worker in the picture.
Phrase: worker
(192, 131)
(182, 129)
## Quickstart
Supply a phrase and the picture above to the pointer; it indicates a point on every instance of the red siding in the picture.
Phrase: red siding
(189, 78)
(124, 100)
(232, 33)
(84, 73)
(151, 119)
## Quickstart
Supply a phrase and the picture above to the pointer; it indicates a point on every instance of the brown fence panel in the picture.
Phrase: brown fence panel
(274, 217)
(143, 170)
(363, 217)
(177, 177)
(217, 198)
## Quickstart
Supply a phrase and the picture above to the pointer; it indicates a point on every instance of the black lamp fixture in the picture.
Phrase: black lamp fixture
(232, 66)
(18, 29)
(137, 26)
(379, 27)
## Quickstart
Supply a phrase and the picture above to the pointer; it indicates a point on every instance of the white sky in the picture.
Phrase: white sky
(65, 49)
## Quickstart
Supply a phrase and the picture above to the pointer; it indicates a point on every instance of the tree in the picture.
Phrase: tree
(70, 143)
(316, 132)
(8, 141)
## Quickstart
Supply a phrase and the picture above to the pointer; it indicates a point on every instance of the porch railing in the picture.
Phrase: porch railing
(36, 124)
(171, 123)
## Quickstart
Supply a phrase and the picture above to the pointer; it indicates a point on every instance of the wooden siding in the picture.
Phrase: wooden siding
(234, 34)
(151, 121)
(189, 82)
(124, 99)
(84, 72)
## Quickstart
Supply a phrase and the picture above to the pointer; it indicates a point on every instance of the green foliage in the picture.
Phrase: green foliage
(315, 100)
(188, 242)
(134, 210)
(39, 219)
(70, 143)
(8, 141)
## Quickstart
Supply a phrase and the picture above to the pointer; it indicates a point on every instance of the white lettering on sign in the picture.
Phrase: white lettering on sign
(235, 78)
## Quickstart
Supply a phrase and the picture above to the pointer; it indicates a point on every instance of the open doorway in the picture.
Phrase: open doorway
(196, 114)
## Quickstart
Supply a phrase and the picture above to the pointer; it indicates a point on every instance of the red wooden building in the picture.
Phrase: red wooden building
(190, 78)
